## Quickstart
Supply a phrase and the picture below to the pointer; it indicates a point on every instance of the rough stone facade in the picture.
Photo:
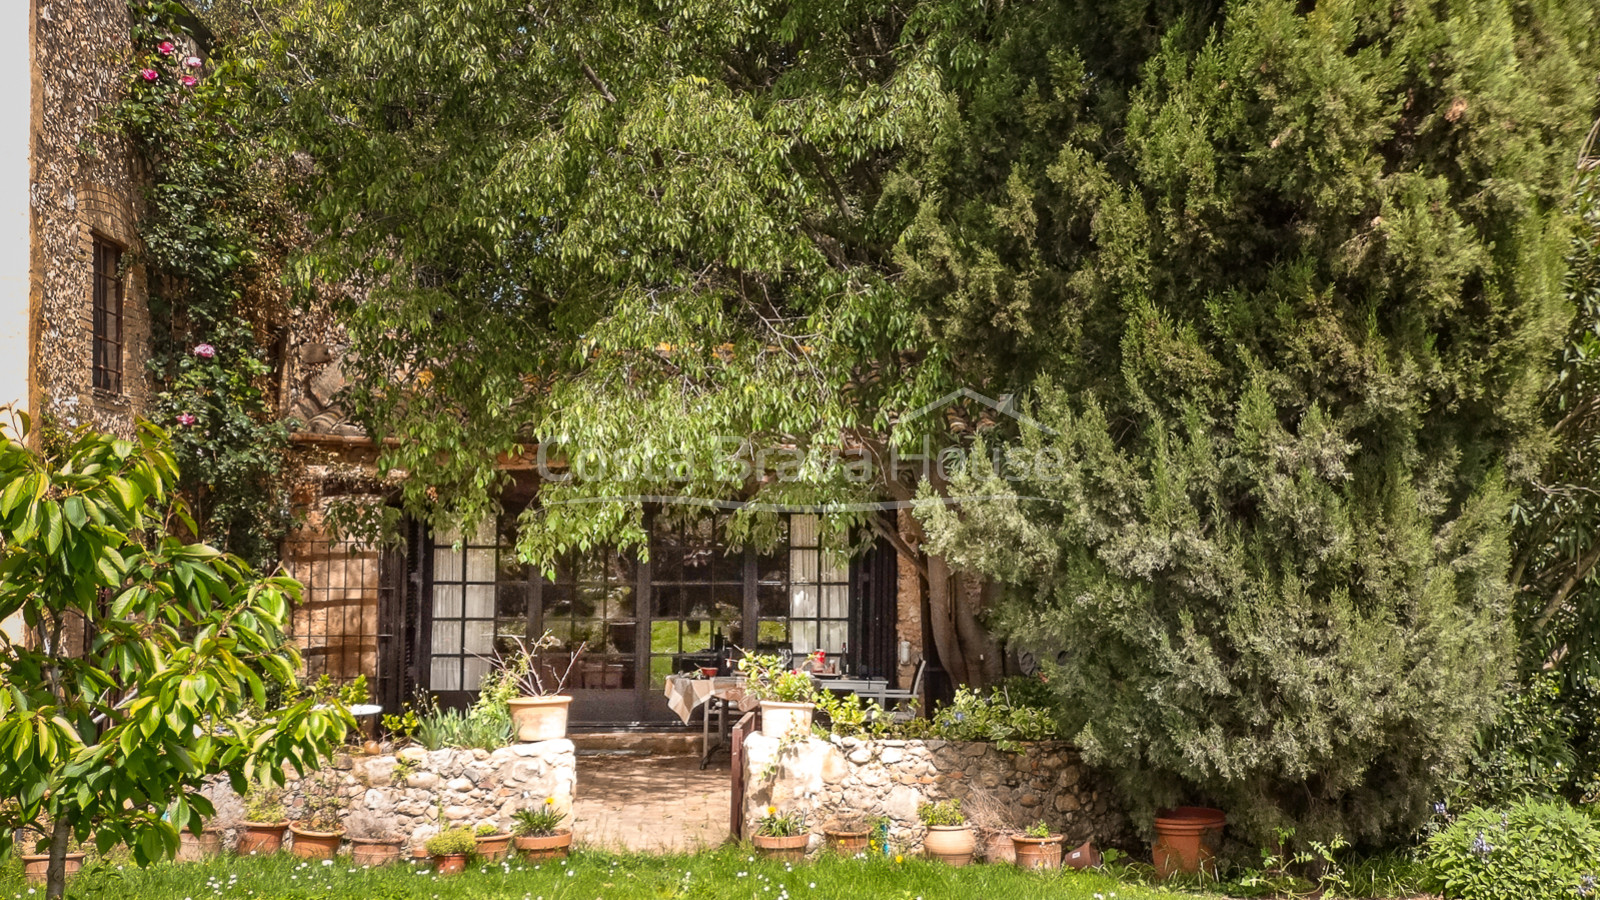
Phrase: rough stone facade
(455, 787)
(851, 780)
(86, 182)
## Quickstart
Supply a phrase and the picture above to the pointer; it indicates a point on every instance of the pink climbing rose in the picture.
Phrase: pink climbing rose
(166, 48)
(192, 62)
(187, 81)
(205, 351)
(185, 419)
(149, 74)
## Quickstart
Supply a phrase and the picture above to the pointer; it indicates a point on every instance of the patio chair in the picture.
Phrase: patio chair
(893, 700)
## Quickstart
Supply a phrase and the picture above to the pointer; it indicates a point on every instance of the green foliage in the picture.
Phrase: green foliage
(264, 803)
(324, 805)
(457, 841)
(941, 812)
(1532, 748)
(140, 668)
(485, 829)
(1039, 829)
(540, 821)
(402, 725)
(776, 824)
(1532, 850)
(440, 728)
(767, 677)
(213, 235)
(994, 717)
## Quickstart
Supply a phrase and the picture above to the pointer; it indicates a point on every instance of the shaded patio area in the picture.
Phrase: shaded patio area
(651, 803)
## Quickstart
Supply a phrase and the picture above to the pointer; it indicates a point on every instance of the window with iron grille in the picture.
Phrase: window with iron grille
(107, 316)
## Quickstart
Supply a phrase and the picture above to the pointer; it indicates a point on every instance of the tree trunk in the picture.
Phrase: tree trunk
(941, 619)
(56, 875)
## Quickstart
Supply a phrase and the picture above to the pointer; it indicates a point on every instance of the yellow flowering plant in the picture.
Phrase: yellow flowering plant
(774, 824)
(540, 821)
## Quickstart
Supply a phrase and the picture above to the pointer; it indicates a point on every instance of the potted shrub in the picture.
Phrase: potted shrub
(787, 695)
(318, 831)
(451, 848)
(949, 837)
(264, 823)
(372, 844)
(1187, 840)
(781, 836)
(1038, 847)
(533, 688)
(538, 833)
(197, 847)
(492, 843)
(849, 837)
(36, 866)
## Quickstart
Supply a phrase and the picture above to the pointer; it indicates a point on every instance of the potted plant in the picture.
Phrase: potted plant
(318, 831)
(36, 866)
(1187, 840)
(1038, 847)
(781, 836)
(264, 823)
(197, 847)
(492, 843)
(372, 844)
(538, 709)
(849, 837)
(538, 832)
(451, 848)
(949, 837)
(787, 695)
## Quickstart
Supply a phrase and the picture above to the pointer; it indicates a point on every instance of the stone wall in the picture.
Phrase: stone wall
(455, 787)
(850, 778)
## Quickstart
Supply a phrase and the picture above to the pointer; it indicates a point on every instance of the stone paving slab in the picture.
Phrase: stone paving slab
(651, 804)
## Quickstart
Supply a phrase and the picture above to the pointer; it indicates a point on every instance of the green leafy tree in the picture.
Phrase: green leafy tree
(137, 678)
(1305, 261)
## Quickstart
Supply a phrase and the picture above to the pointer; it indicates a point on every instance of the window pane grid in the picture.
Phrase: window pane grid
(106, 312)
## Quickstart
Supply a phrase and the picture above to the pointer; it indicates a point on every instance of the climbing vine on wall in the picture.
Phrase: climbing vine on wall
(213, 240)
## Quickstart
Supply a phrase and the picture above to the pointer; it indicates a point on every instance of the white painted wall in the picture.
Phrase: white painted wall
(16, 108)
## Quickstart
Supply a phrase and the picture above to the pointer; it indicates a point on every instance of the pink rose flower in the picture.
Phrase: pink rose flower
(192, 62)
(185, 419)
(166, 48)
(205, 351)
(188, 81)
(149, 74)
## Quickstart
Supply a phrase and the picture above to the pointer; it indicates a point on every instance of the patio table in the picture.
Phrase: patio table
(685, 692)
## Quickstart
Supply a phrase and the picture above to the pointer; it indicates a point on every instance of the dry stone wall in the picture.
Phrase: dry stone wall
(847, 779)
(432, 790)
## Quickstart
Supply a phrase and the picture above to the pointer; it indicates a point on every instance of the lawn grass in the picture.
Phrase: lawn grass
(724, 874)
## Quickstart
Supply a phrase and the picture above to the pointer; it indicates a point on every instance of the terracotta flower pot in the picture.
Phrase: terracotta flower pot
(375, 851)
(997, 848)
(260, 838)
(952, 844)
(847, 843)
(535, 847)
(539, 718)
(315, 844)
(1084, 856)
(791, 848)
(450, 864)
(494, 847)
(196, 847)
(1037, 853)
(779, 719)
(1187, 840)
(36, 866)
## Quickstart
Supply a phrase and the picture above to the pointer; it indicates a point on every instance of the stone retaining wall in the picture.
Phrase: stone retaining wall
(457, 787)
(850, 778)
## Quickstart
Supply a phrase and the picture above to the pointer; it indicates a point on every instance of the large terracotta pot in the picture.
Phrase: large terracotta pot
(1187, 840)
(450, 864)
(847, 843)
(36, 866)
(315, 844)
(791, 848)
(494, 847)
(779, 719)
(548, 846)
(950, 843)
(539, 718)
(260, 838)
(375, 851)
(997, 848)
(196, 847)
(1037, 853)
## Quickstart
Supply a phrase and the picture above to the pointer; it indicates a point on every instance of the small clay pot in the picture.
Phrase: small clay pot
(1084, 857)
(450, 864)
(196, 847)
(494, 847)
(546, 846)
(847, 843)
(36, 866)
(1036, 852)
(375, 851)
(260, 838)
(315, 844)
(791, 848)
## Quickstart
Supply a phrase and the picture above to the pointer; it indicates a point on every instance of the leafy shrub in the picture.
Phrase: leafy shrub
(264, 803)
(486, 829)
(440, 728)
(943, 812)
(454, 842)
(1533, 850)
(1536, 747)
(997, 718)
(767, 678)
(541, 821)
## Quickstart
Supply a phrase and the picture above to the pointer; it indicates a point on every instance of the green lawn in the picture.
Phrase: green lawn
(714, 875)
